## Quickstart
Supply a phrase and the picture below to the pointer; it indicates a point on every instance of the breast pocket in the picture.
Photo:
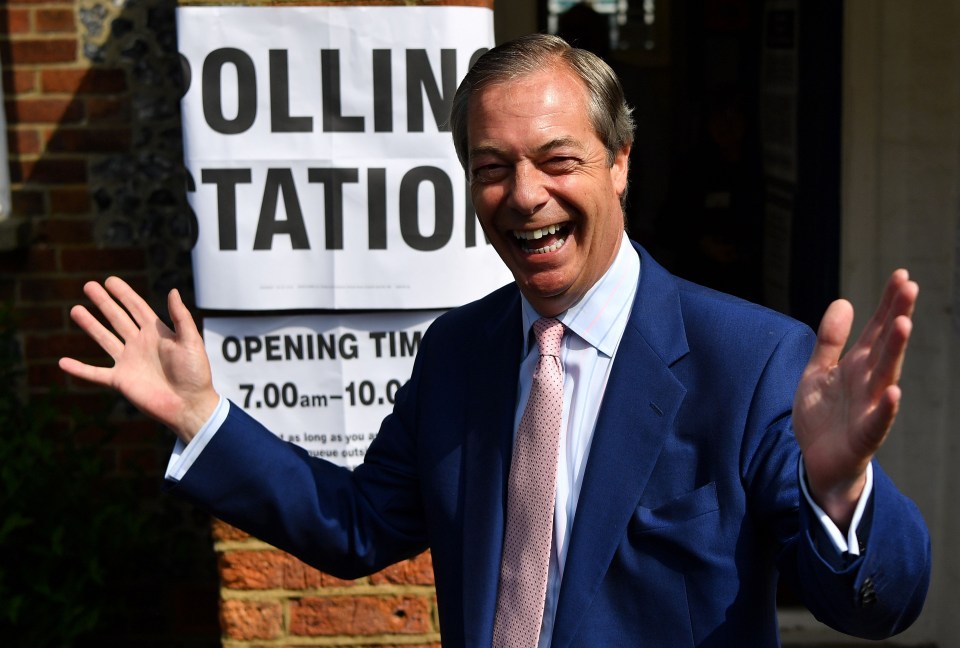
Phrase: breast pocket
(689, 506)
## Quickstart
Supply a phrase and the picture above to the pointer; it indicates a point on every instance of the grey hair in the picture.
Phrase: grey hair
(608, 110)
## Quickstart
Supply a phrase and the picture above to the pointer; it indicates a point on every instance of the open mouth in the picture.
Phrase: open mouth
(548, 239)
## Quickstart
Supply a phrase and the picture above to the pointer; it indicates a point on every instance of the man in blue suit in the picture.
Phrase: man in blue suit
(708, 447)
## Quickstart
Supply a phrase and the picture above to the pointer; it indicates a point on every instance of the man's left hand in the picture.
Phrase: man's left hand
(844, 406)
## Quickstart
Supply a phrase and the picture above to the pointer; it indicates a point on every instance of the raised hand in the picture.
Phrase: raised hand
(164, 373)
(844, 407)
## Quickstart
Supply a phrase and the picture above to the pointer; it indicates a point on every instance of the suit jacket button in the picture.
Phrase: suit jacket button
(868, 593)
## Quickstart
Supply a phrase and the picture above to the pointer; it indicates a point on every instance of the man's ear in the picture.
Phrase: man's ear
(620, 169)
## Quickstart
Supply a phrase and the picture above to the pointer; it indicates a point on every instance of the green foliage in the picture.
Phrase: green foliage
(63, 526)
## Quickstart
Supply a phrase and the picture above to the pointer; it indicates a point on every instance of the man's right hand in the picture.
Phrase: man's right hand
(164, 373)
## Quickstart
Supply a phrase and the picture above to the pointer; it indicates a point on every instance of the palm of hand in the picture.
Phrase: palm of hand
(156, 369)
(165, 373)
(840, 421)
(844, 407)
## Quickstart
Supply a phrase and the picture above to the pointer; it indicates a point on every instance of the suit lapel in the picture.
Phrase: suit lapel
(635, 418)
(487, 444)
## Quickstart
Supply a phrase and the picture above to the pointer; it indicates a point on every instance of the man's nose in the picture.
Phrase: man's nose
(529, 192)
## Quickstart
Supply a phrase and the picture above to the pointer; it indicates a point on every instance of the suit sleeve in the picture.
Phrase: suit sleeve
(874, 595)
(881, 592)
(346, 523)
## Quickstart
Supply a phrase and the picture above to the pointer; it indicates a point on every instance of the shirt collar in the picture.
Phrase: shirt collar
(600, 317)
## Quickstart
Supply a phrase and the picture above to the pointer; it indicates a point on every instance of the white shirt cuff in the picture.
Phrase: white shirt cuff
(184, 454)
(849, 544)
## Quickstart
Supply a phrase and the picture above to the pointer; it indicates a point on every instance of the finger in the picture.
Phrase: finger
(880, 419)
(898, 298)
(890, 353)
(905, 299)
(117, 317)
(183, 322)
(890, 345)
(96, 375)
(97, 331)
(831, 336)
(136, 305)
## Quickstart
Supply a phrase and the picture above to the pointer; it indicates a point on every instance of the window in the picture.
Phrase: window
(625, 29)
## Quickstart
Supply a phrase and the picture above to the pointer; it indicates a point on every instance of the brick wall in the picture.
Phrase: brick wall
(94, 154)
(91, 91)
(269, 595)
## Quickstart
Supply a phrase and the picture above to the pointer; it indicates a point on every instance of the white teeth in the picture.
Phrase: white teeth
(550, 248)
(536, 234)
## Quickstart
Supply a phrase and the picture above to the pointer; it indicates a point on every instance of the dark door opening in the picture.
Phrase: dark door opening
(735, 179)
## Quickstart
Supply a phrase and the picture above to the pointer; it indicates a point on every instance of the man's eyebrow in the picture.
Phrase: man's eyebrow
(546, 147)
(558, 142)
(486, 150)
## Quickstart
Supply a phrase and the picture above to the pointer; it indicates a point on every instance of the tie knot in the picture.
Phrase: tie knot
(549, 334)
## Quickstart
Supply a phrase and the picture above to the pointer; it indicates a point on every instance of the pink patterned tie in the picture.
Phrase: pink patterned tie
(530, 499)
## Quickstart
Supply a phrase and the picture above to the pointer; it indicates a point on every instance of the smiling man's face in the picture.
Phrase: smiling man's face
(545, 192)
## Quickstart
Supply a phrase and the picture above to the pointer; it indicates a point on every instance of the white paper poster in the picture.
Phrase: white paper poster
(324, 382)
(322, 173)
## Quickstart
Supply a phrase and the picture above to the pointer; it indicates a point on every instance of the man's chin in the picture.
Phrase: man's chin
(548, 298)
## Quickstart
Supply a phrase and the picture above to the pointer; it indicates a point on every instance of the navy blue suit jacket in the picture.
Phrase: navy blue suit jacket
(689, 510)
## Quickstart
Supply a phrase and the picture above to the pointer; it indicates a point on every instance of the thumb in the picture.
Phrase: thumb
(183, 322)
(832, 335)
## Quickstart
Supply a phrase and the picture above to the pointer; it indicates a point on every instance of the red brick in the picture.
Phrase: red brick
(223, 532)
(44, 110)
(298, 575)
(88, 397)
(107, 109)
(55, 289)
(89, 81)
(248, 620)
(49, 171)
(36, 2)
(100, 260)
(34, 259)
(69, 201)
(34, 50)
(53, 346)
(252, 570)
(416, 571)
(64, 230)
(44, 376)
(19, 81)
(40, 318)
(89, 140)
(15, 21)
(271, 569)
(55, 20)
(359, 615)
(144, 430)
(24, 142)
(143, 459)
(27, 203)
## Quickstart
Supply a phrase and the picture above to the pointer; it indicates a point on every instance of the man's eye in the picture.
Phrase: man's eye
(559, 165)
(490, 173)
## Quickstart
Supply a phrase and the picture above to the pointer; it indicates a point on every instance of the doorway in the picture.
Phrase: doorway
(736, 162)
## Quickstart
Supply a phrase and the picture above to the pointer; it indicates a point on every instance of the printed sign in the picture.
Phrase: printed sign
(324, 382)
(321, 167)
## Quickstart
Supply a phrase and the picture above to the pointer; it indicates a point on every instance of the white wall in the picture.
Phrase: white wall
(901, 183)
